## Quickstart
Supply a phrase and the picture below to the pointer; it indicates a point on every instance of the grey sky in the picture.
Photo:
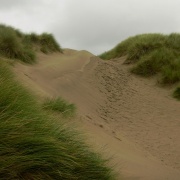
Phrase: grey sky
(94, 25)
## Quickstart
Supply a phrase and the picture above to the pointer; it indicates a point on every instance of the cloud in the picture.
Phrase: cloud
(36, 16)
(90, 24)
(11, 4)
(97, 25)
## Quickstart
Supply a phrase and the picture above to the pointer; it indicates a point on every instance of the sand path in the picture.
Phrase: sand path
(136, 121)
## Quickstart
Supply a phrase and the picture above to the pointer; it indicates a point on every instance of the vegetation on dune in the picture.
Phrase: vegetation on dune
(59, 105)
(153, 62)
(34, 145)
(137, 46)
(45, 41)
(48, 43)
(176, 93)
(16, 45)
(151, 54)
(12, 47)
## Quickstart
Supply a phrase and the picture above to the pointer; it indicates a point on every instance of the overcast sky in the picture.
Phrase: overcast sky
(93, 25)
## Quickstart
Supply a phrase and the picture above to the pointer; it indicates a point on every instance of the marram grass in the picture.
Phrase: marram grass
(17, 45)
(59, 105)
(176, 93)
(151, 54)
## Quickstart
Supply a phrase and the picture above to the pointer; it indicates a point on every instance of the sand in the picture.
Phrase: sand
(129, 118)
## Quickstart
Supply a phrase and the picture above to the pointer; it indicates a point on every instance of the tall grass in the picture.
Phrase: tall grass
(151, 54)
(46, 42)
(60, 105)
(176, 93)
(35, 146)
(136, 46)
(171, 72)
(153, 62)
(11, 46)
(163, 59)
(119, 50)
(16, 45)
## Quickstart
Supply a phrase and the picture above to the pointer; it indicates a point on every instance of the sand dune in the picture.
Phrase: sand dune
(136, 121)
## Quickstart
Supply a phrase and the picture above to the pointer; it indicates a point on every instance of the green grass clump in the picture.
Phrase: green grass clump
(16, 45)
(34, 145)
(145, 44)
(164, 59)
(33, 37)
(48, 43)
(171, 72)
(45, 41)
(173, 41)
(176, 93)
(153, 62)
(60, 105)
(152, 54)
(136, 46)
(119, 50)
(12, 47)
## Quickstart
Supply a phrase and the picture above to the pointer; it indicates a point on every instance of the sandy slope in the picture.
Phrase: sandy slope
(136, 121)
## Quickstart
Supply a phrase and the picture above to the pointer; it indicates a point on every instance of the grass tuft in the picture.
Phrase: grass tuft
(16, 45)
(153, 63)
(176, 93)
(45, 41)
(60, 105)
(145, 44)
(171, 72)
(12, 47)
(152, 54)
(48, 43)
(135, 46)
